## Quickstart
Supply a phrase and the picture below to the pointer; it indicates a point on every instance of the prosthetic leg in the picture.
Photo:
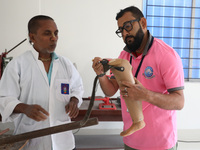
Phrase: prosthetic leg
(134, 107)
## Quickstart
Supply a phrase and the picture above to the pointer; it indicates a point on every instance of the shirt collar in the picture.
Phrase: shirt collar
(54, 56)
(146, 47)
(36, 54)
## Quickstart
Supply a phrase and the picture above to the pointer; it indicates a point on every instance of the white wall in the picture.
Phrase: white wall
(188, 117)
(86, 29)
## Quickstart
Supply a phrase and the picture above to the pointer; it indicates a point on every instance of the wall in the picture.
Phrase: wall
(86, 29)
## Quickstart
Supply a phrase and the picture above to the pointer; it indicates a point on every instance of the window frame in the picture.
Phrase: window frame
(189, 76)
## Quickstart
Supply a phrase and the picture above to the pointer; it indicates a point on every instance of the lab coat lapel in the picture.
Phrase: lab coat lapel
(54, 69)
(43, 71)
(40, 65)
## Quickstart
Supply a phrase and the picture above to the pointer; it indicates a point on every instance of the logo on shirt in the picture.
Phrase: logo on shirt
(148, 73)
(64, 88)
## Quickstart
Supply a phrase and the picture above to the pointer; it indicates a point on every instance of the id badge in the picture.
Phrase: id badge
(64, 88)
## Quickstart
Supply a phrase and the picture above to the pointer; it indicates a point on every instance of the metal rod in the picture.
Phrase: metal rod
(47, 131)
(16, 46)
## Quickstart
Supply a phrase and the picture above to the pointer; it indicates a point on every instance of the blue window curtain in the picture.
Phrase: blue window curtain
(177, 22)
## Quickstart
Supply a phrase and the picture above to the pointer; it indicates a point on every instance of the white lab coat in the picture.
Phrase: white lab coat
(25, 81)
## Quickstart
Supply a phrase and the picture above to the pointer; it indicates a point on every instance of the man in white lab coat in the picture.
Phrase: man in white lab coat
(40, 89)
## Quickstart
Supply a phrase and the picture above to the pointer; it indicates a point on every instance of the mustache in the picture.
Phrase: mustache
(129, 36)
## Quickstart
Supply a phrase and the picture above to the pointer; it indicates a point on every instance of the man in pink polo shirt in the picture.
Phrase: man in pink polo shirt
(159, 83)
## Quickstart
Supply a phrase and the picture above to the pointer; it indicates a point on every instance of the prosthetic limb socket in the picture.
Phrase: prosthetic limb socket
(134, 107)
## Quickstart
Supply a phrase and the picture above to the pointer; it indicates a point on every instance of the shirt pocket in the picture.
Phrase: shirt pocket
(62, 88)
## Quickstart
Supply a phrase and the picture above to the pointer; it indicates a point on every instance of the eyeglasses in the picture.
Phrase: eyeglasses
(127, 26)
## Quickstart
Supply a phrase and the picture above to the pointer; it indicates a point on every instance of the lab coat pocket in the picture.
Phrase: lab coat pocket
(62, 88)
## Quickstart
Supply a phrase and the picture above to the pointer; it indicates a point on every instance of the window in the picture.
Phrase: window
(177, 22)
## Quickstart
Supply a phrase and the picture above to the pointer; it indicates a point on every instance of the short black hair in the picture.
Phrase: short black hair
(134, 10)
(34, 24)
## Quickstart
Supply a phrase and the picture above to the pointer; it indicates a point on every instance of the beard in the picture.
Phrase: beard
(133, 46)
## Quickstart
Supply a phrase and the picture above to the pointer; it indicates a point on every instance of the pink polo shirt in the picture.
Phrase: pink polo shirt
(161, 71)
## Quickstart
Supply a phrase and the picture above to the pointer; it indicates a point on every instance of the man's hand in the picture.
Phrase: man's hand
(72, 107)
(133, 91)
(172, 101)
(35, 112)
(97, 66)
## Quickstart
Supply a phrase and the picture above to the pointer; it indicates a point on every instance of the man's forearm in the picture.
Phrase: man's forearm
(20, 108)
(172, 101)
(74, 99)
(108, 86)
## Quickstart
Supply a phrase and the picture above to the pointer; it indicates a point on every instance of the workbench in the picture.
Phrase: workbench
(102, 115)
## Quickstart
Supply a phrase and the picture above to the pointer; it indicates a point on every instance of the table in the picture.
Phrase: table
(102, 115)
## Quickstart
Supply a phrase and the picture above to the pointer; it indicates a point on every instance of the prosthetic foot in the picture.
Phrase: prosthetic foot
(134, 107)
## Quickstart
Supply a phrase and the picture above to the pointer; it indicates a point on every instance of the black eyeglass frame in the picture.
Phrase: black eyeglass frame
(120, 29)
